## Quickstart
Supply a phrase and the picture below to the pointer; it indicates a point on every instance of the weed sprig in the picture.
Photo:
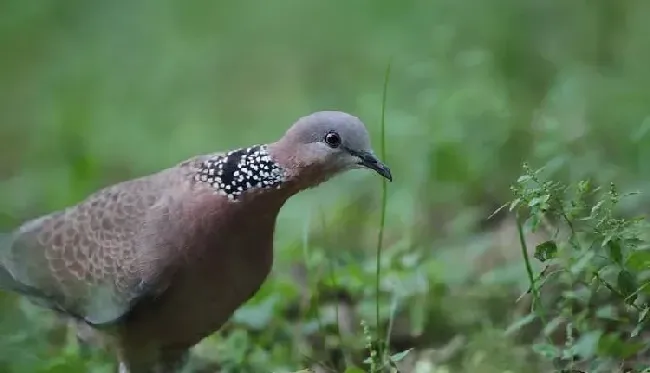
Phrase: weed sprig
(595, 271)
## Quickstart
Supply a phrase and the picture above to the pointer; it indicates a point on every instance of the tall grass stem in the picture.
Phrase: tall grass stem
(382, 221)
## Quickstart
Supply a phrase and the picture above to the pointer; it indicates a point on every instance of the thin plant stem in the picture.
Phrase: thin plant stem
(382, 221)
(537, 307)
(529, 267)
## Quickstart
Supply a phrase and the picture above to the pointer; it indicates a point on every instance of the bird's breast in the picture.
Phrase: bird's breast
(225, 265)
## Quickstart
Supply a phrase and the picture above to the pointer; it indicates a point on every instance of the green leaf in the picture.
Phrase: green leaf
(612, 345)
(400, 355)
(582, 263)
(546, 350)
(532, 223)
(608, 312)
(545, 251)
(587, 345)
(641, 322)
(256, 316)
(523, 321)
(595, 210)
(627, 285)
(514, 204)
(524, 179)
(615, 251)
(639, 260)
(541, 202)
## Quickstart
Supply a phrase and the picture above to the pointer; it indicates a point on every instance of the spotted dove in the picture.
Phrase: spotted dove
(155, 264)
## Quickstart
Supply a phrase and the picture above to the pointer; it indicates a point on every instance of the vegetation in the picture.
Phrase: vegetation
(96, 92)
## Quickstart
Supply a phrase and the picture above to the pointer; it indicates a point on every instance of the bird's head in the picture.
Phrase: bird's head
(326, 143)
(315, 148)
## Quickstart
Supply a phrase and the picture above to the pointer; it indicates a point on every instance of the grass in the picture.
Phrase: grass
(92, 93)
(376, 344)
(382, 220)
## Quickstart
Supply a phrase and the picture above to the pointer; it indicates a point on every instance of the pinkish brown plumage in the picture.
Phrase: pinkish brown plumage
(157, 263)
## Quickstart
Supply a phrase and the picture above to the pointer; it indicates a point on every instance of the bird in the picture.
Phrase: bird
(155, 264)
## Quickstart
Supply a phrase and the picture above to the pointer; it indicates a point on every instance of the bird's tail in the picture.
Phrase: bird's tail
(7, 281)
(5, 242)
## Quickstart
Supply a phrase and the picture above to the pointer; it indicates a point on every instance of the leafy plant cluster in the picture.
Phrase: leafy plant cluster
(589, 280)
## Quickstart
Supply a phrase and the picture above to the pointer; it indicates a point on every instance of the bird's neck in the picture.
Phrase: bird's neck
(273, 171)
(298, 173)
(241, 170)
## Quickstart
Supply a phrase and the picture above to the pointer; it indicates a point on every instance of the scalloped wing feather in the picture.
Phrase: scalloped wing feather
(88, 260)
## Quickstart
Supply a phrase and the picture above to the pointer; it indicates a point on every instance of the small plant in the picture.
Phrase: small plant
(590, 290)
(378, 362)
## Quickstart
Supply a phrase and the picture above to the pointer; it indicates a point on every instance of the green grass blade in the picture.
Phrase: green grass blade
(382, 221)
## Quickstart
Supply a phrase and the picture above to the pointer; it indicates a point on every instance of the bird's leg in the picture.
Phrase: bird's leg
(169, 361)
(85, 350)
(87, 338)
(175, 366)
(123, 368)
(131, 361)
(172, 361)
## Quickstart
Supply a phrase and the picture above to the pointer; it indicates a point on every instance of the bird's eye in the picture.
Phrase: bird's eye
(333, 139)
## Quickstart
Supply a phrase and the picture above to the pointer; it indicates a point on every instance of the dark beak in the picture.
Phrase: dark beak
(370, 161)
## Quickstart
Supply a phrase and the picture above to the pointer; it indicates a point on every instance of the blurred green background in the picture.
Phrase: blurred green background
(94, 92)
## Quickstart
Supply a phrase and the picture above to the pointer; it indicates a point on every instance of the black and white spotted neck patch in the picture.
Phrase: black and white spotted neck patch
(237, 171)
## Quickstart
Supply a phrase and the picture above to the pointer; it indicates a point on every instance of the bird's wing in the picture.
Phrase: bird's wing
(89, 260)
